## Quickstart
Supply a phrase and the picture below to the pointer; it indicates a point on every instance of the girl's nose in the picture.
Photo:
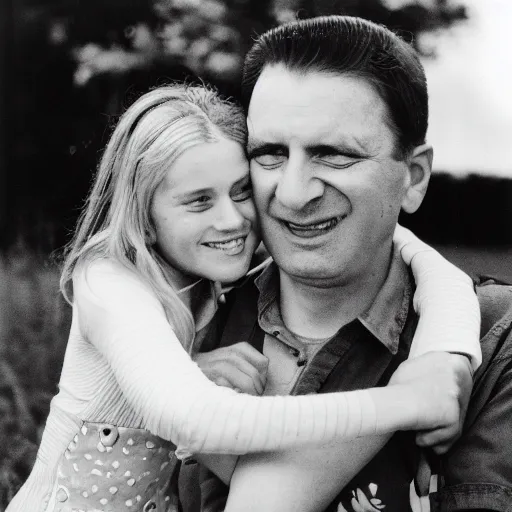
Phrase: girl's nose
(228, 216)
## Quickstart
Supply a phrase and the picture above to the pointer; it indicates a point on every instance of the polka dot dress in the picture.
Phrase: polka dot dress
(111, 468)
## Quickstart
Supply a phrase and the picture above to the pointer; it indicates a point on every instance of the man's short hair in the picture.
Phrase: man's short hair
(356, 47)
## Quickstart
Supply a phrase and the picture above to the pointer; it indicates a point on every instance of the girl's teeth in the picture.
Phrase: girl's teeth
(226, 246)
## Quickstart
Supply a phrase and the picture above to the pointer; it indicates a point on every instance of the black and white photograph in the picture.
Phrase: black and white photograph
(255, 256)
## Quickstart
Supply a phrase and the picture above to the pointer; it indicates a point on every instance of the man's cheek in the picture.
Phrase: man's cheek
(262, 197)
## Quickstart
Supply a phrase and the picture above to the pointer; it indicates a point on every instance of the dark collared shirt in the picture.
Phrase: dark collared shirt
(366, 350)
(476, 474)
(384, 319)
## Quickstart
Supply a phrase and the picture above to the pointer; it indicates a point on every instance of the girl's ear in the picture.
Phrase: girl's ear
(420, 169)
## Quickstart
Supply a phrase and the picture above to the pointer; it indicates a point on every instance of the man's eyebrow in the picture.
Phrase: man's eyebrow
(334, 149)
(258, 147)
(358, 147)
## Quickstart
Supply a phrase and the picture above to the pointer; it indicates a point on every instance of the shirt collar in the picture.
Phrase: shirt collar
(205, 295)
(386, 316)
(204, 298)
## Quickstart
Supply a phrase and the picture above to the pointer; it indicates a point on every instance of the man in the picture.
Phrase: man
(337, 117)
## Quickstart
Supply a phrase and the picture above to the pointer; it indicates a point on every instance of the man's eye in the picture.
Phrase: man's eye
(270, 161)
(338, 160)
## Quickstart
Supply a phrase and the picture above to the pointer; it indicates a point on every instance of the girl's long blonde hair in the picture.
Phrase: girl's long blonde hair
(116, 221)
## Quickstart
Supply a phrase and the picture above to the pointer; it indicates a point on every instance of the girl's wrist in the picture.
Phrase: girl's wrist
(396, 408)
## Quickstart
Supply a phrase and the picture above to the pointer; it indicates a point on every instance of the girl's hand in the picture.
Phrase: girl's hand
(239, 366)
(440, 384)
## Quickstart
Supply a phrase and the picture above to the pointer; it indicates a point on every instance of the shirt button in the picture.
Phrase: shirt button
(276, 333)
(295, 352)
(301, 362)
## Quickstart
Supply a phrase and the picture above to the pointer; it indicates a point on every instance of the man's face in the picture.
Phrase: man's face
(327, 187)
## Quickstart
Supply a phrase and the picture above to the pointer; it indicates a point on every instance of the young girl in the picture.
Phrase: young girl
(169, 217)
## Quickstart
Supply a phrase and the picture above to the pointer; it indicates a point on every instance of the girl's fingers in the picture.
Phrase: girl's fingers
(439, 440)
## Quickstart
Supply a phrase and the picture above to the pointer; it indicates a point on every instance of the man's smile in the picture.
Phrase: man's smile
(313, 229)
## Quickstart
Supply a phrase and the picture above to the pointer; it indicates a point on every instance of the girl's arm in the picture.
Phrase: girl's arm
(449, 314)
(301, 480)
(122, 318)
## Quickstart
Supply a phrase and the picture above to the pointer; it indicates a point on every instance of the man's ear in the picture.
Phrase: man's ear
(420, 169)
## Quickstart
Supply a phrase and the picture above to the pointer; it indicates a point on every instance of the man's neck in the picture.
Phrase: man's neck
(317, 311)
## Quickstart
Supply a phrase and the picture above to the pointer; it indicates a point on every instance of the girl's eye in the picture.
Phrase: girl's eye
(200, 203)
(243, 194)
(201, 200)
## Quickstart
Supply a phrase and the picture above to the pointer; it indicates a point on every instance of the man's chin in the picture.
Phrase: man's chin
(312, 274)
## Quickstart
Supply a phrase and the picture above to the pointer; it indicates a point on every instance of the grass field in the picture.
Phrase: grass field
(34, 324)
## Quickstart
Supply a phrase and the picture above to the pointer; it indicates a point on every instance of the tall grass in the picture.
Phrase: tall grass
(34, 325)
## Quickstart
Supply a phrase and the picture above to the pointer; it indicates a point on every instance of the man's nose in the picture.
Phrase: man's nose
(229, 217)
(297, 186)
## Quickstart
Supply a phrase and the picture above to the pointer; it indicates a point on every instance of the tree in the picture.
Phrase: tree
(410, 20)
(210, 37)
(76, 65)
(5, 41)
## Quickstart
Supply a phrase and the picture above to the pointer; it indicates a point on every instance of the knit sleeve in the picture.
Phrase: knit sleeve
(122, 318)
(445, 299)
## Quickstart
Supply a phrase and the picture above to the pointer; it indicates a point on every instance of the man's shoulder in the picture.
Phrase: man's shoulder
(477, 470)
(495, 300)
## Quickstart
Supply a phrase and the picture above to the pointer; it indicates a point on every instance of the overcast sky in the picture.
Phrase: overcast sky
(470, 86)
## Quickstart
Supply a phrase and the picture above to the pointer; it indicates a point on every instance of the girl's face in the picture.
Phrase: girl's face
(203, 212)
